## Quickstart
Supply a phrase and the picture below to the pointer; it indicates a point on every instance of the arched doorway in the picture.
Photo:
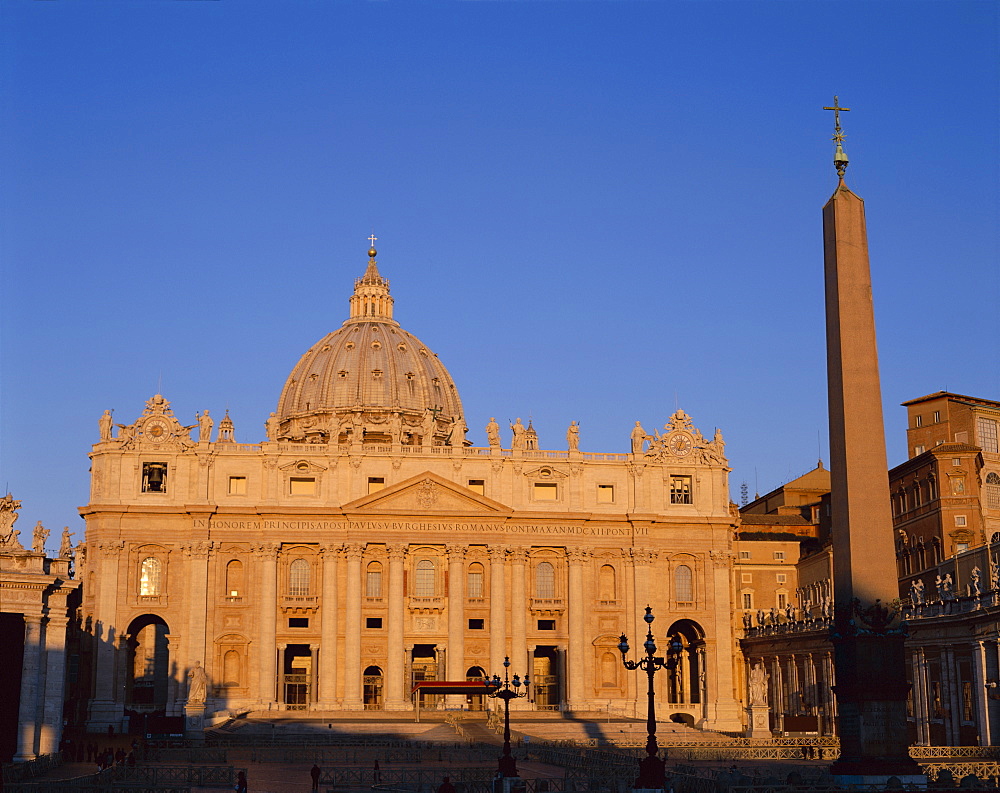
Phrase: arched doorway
(686, 683)
(475, 674)
(373, 688)
(147, 675)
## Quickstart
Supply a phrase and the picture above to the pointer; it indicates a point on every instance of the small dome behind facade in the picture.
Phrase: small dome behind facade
(369, 381)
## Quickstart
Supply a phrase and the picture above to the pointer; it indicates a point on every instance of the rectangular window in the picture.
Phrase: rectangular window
(782, 600)
(154, 477)
(373, 623)
(747, 600)
(781, 578)
(546, 491)
(960, 520)
(779, 556)
(961, 546)
(918, 421)
(744, 554)
(301, 486)
(956, 461)
(237, 485)
(918, 450)
(986, 429)
(680, 490)
(478, 486)
(477, 625)
(546, 625)
(298, 622)
(474, 587)
(937, 416)
(373, 584)
(605, 494)
(375, 483)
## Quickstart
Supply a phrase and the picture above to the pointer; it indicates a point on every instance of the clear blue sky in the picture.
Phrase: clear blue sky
(591, 211)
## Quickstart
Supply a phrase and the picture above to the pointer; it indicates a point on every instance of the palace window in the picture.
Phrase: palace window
(779, 556)
(154, 477)
(478, 486)
(150, 576)
(680, 490)
(474, 585)
(960, 520)
(546, 625)
(375, 483)
(918, 450)
(918, 421)
(237, 485)
(477, 625)
(298, 622)
(781, 578)
(301, 486)
(744, 554)
(937, 416)
(545, 580)
(605, 494)
(424, 586)
(986, 429)
(683, 584)
(298, 578)
(546, 491)
(747, 600)
(234, 578)
(373, 580)
(782, 600)
(992, 490)
(373, 623)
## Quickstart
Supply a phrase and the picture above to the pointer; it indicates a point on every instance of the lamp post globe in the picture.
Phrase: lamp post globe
(507, 690)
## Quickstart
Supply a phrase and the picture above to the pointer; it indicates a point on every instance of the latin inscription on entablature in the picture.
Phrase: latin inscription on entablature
(411, 526)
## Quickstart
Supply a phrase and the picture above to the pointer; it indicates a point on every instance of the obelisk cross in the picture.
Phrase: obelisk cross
(838, 135)
(372, 238)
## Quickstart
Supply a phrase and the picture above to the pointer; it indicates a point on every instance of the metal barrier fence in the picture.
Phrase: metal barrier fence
(193, 775)
(107, 781)
(15, 772)
(368, 755)
(192, 754)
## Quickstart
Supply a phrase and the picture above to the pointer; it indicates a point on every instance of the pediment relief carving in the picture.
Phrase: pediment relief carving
(302, 467)
(428, 492)
(545, 472)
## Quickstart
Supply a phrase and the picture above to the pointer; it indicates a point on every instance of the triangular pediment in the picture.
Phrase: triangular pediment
(428, 492)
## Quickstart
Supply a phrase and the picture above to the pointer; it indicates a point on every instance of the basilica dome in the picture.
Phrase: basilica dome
(369, 381)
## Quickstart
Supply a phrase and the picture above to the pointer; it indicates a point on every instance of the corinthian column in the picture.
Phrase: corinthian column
(576, 696)
(267, 557)
(352, 630)
(456, 618)
(395, 698)
(498, 608)
(518, 613)
(327, 677)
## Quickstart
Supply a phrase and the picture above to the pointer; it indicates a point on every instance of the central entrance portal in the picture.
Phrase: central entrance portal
(545, 677)
(298, 669)
(424, 667)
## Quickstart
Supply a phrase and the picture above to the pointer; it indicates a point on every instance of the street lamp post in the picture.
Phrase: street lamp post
(507, 690)
(650, 767)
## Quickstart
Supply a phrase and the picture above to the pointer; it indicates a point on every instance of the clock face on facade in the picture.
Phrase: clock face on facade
(681, 443)
(156, 430)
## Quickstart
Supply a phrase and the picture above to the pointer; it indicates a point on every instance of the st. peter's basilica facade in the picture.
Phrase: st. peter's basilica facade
(366, 546)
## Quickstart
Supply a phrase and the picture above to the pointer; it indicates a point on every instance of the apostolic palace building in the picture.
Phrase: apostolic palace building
(366, 546)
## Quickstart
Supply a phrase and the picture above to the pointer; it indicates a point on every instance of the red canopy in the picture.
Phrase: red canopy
(453, 687)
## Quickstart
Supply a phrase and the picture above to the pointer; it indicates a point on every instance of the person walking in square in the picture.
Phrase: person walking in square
(314, 772)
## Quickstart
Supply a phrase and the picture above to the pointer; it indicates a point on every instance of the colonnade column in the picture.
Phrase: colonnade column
(979, 686)
(105, 708)
(352, 629)
(949, 673)
(518, 613)
(55, 679)
(920, 699)
(326, 680)
(576, 696)
(267, 555)
(456, 619)
(498, 609)
(27, 712)
(829, 681)
(395, 698)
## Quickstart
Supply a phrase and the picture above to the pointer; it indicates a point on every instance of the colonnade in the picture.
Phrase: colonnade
(799, 684)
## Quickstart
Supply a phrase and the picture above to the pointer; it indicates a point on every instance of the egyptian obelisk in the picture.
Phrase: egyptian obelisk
(869, 661)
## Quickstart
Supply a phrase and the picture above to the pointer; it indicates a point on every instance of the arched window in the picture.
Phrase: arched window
(474, 587)
(150, 576)
(424, 586)
(298, 578)
(683, 584)
(606, 583)
(992, 490)
(373, 581)
(545, 580)
(231, 668)
(234, 578)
